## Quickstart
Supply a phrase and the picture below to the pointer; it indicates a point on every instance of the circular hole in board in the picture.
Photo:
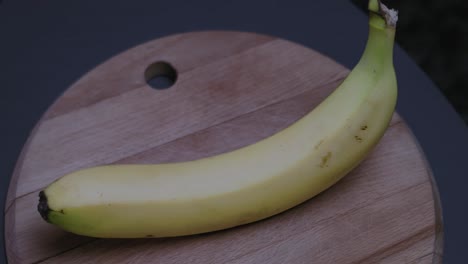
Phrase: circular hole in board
(160, 75)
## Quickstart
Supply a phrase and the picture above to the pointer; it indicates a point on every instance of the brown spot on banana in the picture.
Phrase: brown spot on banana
(358, 138)
(325, 160)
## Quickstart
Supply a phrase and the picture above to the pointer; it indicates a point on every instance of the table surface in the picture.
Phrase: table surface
(47, 45)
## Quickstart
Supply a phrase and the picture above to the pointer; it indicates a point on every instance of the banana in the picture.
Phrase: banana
(249, 183)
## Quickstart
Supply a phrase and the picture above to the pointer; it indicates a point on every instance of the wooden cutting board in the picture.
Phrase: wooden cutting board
(231, 89)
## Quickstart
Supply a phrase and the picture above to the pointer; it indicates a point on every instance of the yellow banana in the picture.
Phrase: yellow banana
(247, 184)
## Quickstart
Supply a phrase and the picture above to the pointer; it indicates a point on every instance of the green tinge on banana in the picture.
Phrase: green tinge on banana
(247, 184)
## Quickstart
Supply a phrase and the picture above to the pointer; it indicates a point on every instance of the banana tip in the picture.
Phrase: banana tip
(43, 206)
(391, 15)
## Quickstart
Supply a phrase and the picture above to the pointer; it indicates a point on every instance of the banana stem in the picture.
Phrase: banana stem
(382, 26)
(388, 17)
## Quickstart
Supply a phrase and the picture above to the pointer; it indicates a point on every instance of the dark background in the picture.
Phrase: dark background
(48, 44)
(435, 35)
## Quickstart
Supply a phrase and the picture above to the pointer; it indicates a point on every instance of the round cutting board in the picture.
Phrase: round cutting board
(229, 89)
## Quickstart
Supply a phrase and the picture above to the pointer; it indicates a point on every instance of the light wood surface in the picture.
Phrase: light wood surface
(232, 89)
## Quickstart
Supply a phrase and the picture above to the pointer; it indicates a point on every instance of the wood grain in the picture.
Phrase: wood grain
(232, 90)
